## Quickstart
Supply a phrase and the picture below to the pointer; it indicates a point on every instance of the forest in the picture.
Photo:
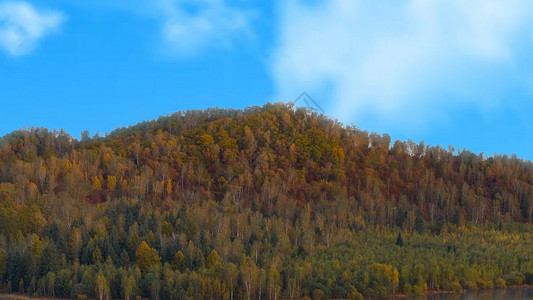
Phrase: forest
(271, 202)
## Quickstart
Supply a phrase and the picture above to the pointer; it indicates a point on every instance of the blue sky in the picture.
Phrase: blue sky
(449, 72)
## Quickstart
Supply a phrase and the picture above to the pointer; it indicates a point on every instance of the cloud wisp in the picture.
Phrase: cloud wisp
(187, 28)
(191, 26)
(22, 26)
(404, 61)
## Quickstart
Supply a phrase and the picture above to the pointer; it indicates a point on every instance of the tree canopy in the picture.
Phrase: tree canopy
(265, 202)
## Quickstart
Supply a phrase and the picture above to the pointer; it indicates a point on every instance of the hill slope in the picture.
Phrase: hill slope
(267, 156)
(248, 202)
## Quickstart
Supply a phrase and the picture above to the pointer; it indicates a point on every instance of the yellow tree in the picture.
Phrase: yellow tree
(129, 283)
(111, 182)
(249, 275)
(274, 281)
(213, 260)
(96, 183)
(178, 260)
(36, 247)
(102, 286)
(231, 275)
(169, 187)
(97, 256)
(146, 257)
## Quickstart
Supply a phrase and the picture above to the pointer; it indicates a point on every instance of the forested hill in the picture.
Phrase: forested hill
(262, 202)
(272, 157)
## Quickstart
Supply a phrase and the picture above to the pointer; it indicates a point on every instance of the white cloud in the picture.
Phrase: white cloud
(190, 26)
(400, 59)
(22, 26)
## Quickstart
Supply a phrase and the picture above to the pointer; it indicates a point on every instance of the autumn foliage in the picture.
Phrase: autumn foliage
(264, 202)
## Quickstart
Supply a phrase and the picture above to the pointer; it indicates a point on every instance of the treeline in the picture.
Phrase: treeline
(267, 202)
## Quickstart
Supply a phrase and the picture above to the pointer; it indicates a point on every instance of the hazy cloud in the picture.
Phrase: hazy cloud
(404, 58)
(190, 26)
(186, 28)
(22, 26)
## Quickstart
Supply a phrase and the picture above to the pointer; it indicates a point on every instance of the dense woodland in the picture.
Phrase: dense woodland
(263, 203)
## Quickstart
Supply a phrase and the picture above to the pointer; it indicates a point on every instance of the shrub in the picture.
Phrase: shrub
(499, 283)
(453, 286)
(417, 290)
(407, 289)
(514, 278)
(354, 294)
(482, 284)
(318, 294)
(470, 285)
